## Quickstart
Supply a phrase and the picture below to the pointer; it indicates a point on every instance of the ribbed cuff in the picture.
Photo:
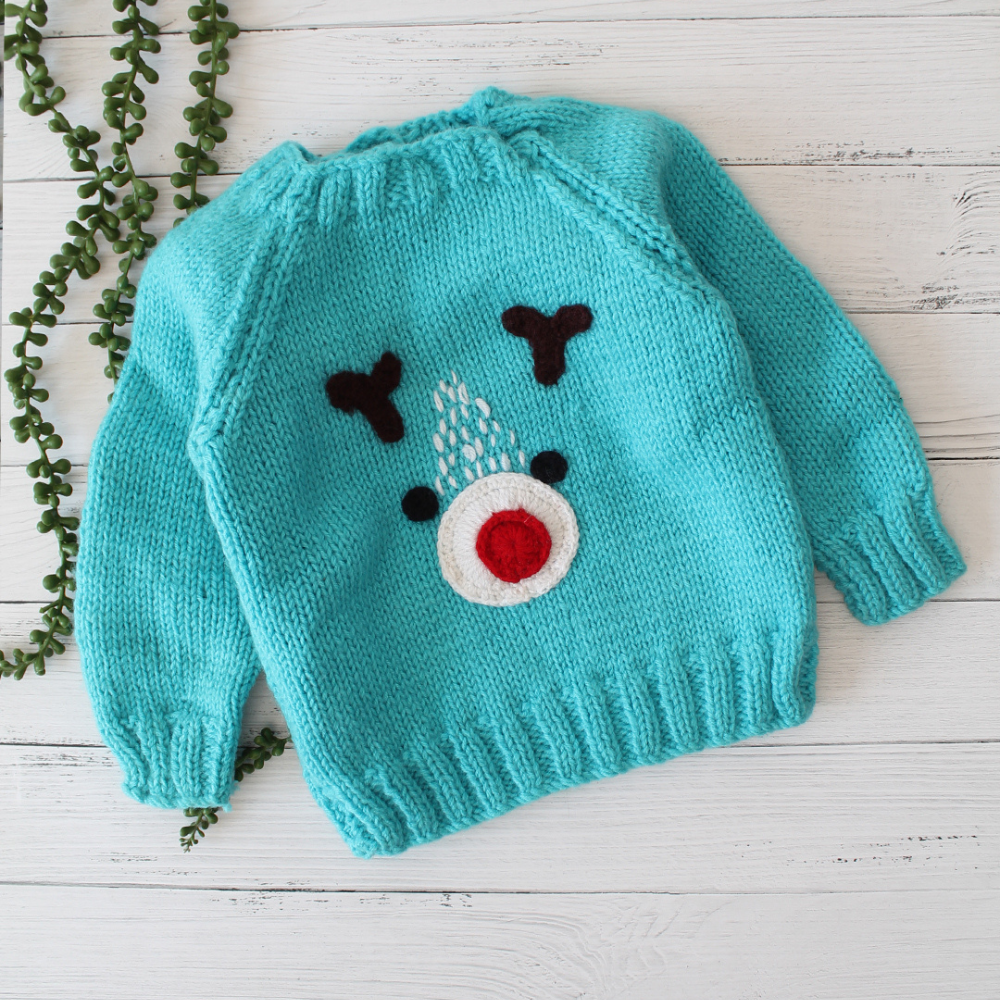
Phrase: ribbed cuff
(175, 761)
(886, 565)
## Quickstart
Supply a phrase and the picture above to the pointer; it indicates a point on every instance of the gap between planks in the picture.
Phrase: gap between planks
(885, 240)
(261, 15)
(229, 175)
(450, 946)
(853, 818)
(447, 893)
(901, 81)
(607, 23)
(759, 743)
(967, 493)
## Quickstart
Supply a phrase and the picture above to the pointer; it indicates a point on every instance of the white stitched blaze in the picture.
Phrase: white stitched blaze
(489, 488)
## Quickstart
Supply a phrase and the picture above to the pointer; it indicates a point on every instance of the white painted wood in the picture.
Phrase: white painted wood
(738, 819)
(932, 676)
(947, 368)
(888, 239)
(35, 224)
(968, 495)
(73, 372)
(859, 851)
(946, 365)
(849, 90)
(880, 239)
(26, 554)
(92, 17)
(95, 944)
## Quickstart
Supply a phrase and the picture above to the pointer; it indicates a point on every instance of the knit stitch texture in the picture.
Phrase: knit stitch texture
(704, 426)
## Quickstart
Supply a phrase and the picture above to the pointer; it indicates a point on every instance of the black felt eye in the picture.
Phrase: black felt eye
(549, 467)
(420, 504)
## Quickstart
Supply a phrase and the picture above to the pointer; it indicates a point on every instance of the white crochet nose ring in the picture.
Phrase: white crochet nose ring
(505, 539)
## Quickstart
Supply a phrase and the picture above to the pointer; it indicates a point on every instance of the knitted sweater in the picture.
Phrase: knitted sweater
(504, 442)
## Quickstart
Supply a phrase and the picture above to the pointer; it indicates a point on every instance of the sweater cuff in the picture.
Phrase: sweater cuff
(175, 761)
(890, 563)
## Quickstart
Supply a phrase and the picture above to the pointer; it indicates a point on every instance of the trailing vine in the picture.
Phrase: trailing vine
(251, 759)
(205, 117)
(123, 99)
(25, 43)
(94, 218)
(124, 110)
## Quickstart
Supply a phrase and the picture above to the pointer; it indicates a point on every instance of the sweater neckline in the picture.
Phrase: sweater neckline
(490, 110)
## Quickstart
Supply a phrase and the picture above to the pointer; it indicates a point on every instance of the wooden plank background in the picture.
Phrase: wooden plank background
(857, 856)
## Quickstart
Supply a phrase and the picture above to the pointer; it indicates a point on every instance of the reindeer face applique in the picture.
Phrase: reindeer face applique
(506, 534)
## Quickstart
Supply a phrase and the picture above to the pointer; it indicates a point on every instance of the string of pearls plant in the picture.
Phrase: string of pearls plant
(102, 219)
(96, 220)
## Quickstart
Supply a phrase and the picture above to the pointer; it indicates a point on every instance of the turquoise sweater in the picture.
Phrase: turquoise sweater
(505, 443)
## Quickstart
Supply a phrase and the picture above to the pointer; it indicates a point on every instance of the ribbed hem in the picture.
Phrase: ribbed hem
(176, 761)
(886, 565)
(593, 729)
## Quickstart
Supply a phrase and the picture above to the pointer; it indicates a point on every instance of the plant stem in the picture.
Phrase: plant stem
(206, 117)
(80, 256)
(250, 759)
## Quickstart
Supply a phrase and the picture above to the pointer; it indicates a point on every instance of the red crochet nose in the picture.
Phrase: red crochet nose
(513, 545)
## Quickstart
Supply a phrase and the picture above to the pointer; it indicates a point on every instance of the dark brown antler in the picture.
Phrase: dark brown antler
(350, 391)
(548, 336)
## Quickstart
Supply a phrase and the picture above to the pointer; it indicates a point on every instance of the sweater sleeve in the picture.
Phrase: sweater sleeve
(166, 652)
(854, 457)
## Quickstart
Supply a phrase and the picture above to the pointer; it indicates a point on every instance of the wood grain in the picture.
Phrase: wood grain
(83, 942)
(881, 239)
(739, 819)
(931, 676)
(968, 495)
(947, 366)
(823, 91)
(25, 551)
(855, 857)
(92, 17)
